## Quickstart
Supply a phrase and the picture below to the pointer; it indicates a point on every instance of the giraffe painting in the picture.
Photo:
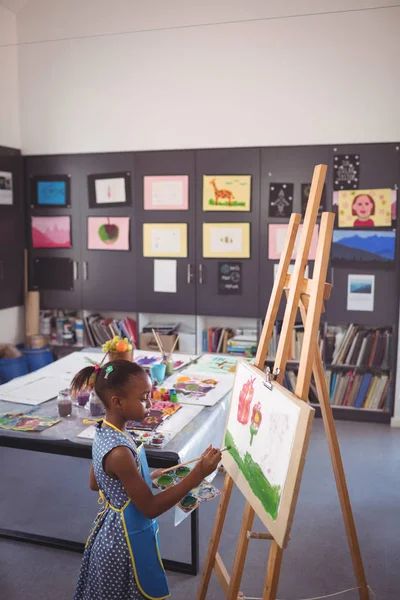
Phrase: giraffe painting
(226, 192)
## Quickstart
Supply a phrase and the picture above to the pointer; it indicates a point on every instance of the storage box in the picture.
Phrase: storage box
(147, 341)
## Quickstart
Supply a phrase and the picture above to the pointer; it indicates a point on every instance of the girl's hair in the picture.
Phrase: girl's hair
(107, 382)
(353, 212)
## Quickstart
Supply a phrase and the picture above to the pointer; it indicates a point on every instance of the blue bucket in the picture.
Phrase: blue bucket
(11, 368)
(37, 358)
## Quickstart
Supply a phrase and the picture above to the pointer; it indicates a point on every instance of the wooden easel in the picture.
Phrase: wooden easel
(306, 295)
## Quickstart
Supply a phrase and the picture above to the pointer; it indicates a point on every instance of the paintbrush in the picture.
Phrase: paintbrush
(188, 462)
(158, 341)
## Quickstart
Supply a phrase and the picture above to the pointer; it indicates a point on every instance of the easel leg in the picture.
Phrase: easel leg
(273, 572)
(215, 538)
(241, 552)
(343, 493)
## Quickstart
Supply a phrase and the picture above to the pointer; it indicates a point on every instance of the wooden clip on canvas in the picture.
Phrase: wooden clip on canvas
(287, 416)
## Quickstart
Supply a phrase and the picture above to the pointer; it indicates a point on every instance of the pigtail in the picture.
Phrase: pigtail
(83, 380)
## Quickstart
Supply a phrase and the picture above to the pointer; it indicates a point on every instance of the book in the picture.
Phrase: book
(365, 383)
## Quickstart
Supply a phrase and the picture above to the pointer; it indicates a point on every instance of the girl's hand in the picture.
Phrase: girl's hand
(209, 462)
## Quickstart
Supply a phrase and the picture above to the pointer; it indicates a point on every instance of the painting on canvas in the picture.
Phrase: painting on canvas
(276, 241)
(267, 432)
(166, 192)
(363, 245)
(51, 232)
(109, 190)
(226, 192)
(280, 200)
(226, 240)
(6, 187)
(165, 240)
(365, 208)
(50, 191)
(108, 233)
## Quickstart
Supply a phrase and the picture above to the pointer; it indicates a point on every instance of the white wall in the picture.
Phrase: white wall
(176, 79)
(12, 319)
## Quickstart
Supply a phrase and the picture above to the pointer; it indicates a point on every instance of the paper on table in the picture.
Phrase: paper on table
(180, 419)
(33, 392)
(165, 279)
(88, 433)
(198, 389)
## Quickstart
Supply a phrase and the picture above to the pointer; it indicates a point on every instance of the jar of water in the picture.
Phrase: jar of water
(96, 406)
(64, 403)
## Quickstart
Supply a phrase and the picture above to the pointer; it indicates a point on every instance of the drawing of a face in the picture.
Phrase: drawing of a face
(363, 206)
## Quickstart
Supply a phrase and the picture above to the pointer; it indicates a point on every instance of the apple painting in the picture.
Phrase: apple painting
(108, 232)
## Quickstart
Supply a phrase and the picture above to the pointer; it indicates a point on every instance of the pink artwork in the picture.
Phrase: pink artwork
(108, 233)
(166, 192)
(51, 232)
(276, 240)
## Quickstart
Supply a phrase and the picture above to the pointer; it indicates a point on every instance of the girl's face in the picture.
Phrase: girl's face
(135, 405)
(363, 206)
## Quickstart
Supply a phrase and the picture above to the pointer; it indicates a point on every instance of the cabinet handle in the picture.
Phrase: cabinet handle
(76, 272)
(200, 273)
(85, 270)
(1, 270)
(189, 274)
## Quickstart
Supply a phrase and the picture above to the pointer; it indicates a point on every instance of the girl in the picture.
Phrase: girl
(363, 207)
(122, 559)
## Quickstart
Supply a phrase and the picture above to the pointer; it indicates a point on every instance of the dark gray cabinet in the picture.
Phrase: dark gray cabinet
(293, 165)
(235, 161)
(12, 233)
(148, 300)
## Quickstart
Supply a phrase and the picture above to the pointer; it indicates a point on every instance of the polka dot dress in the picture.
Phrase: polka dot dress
(106, 572)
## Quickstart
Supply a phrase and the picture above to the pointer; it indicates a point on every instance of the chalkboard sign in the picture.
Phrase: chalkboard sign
(230, 278)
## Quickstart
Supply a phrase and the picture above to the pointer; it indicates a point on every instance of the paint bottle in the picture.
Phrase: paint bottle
(173, 396)
(64, 403)
(157, 395)
(166, 397)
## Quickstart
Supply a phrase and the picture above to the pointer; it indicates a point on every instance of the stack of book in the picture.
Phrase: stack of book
(99, 330)
(215, 339)
(244, 343)
(289, 382)
(296, 342)
(360, 347)
(359, 390)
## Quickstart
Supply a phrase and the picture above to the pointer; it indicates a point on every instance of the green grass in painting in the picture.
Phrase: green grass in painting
(233, 203)
(269, 495)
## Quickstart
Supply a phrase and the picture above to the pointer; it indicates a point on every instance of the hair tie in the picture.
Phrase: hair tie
(96, 368)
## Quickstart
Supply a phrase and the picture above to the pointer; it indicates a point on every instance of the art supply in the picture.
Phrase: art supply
(96, 406)
(173, 396)
(169, 364)
(156, 395)
(166, 397)
(157, 373)
(189, 503)
(188, 462)
(181, 472)
(21, 422)
(64, 403)
(165, 481)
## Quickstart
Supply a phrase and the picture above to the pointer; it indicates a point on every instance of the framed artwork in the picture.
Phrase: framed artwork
(51, 191)
(230, 278)
(276, 240)
(227, 193)
(363, 245)
(267, 435)
(280, 200)
(51, 273)
(51, 232)
(108, 233)
(305, 192)
(346, 171)
(166, 192)
(365, 208)
(360, 292)
(109, 190)
(226, 240)
(168, 240)
(6, 188)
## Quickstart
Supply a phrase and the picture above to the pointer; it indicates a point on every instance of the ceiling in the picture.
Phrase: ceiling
(13, 5)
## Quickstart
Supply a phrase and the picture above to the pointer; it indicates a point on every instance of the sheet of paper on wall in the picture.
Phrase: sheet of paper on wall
(360, 292)
(110, 190)
(6, 188)
(290, 270)
(165, 276)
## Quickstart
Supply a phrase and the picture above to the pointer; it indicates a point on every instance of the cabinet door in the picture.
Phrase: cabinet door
(286, 165)
(209, 299)
(12, 233)
(379, 168)
(108, 276)
(48, 166)
(152, 295)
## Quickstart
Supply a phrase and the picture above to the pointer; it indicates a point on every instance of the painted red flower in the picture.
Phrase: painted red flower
(256, 419)
(245, 399)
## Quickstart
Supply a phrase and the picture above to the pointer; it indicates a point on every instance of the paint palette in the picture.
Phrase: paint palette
(203, 492)
(175, 476)
(151, 439)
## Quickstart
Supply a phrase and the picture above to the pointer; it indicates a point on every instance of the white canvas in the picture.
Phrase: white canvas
(167, 194)
(165, 276)
(226, 239)
(261, 428)
(110, 191)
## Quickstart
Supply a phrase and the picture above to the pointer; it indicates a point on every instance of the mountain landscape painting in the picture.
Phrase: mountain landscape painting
(51, 232)
(364, 245)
